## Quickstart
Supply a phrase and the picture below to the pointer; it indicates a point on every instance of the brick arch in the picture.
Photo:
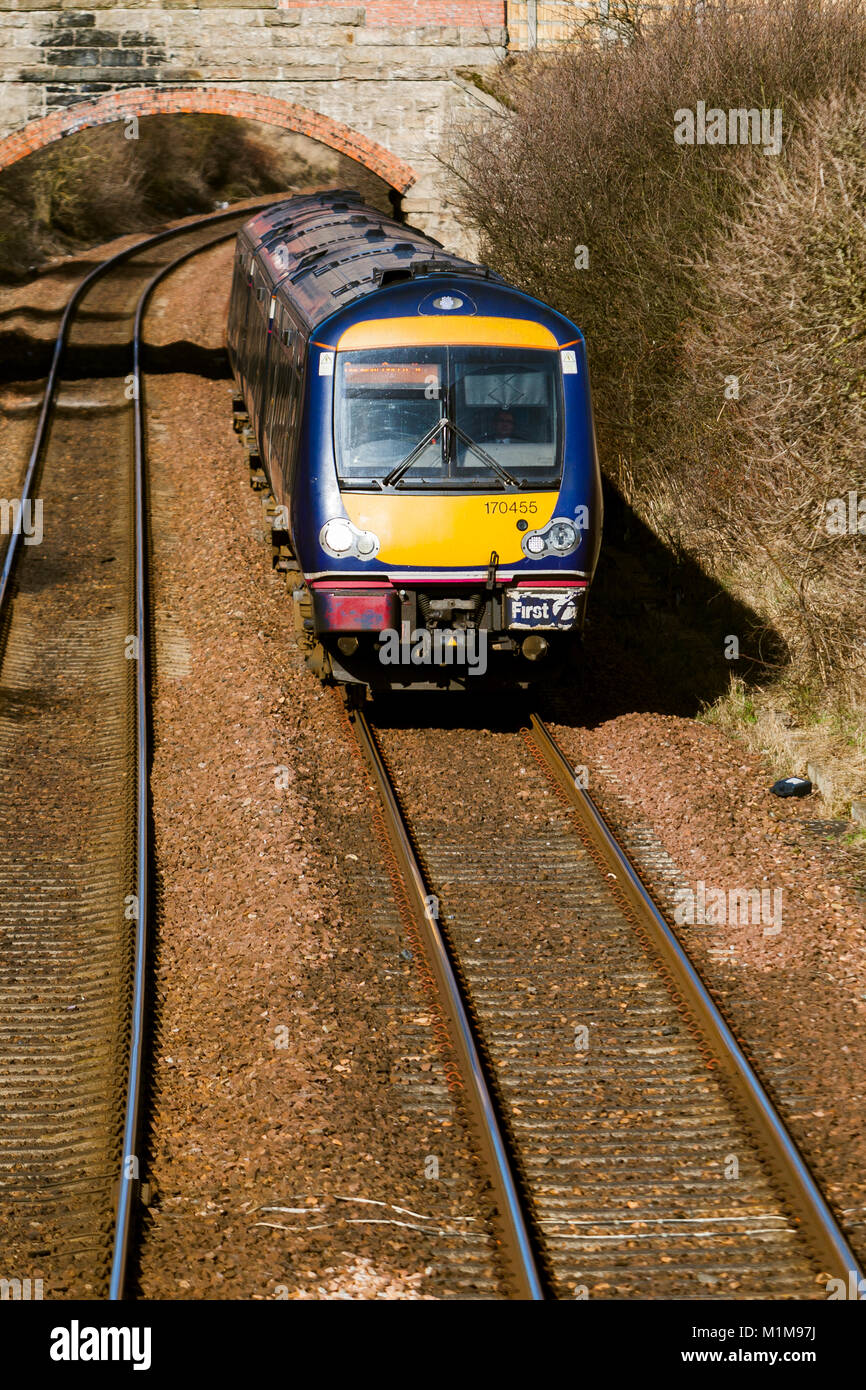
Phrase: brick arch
(211, 101)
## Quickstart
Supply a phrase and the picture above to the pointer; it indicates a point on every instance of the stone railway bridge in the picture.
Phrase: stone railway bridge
(382, 82)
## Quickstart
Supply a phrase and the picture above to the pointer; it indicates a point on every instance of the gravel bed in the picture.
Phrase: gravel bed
(694, 808)
(624, 1133)
(304, 1143)
(295, 1064)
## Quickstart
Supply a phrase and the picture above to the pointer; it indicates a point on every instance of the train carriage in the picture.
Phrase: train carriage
(426, 432)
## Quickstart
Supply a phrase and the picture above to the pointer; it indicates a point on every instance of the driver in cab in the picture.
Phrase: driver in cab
(503, 428)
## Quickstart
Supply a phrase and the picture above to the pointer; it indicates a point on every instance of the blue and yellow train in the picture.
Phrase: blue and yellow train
(426, 432)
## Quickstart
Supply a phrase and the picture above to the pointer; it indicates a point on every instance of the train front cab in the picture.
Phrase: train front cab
(449, 514)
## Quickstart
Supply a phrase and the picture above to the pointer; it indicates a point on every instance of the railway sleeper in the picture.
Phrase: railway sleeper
(240, 414)
(315, 654)
(283, 561)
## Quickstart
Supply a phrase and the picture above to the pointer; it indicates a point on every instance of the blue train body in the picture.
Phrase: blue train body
(426, 432)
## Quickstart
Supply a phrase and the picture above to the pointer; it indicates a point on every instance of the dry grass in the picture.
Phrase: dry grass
(91, 187)
(784, 308)
(798, 740)
(707, 263)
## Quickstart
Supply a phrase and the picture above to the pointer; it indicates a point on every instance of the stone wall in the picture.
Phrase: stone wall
(387, 93)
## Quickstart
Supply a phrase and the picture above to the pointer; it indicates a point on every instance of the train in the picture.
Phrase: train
(423, 432)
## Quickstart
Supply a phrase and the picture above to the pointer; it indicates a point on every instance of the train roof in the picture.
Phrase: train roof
(326, 250)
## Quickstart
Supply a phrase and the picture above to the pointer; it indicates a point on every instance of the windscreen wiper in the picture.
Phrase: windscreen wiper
(396, 473)
(483, 454)
(444, 423)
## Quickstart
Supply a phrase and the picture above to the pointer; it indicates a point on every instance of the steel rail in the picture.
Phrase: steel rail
(129, 1182)
(525, 1266)
(60, 342)
(819, 1223)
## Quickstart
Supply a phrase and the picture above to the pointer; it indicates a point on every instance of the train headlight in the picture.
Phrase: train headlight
(559, 537)
(562, 537)
(337, 537)
(342, 539)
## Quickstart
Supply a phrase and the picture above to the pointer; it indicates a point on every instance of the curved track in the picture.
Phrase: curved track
(645, 1156)
(630, 1149)
(74, 758)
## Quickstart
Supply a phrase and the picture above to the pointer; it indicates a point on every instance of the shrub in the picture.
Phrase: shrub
(96, 185)
(706, 262)
(783, 307)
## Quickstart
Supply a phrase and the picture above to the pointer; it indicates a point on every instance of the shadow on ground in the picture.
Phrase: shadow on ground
(26, 358)
(655, 642)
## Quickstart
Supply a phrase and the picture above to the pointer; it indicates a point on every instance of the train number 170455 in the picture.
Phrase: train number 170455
(522, 506)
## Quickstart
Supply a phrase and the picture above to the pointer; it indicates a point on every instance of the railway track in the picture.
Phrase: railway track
(74, 757)
(630, 1147)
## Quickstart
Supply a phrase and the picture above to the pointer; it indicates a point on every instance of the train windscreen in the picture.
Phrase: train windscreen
(474, 417)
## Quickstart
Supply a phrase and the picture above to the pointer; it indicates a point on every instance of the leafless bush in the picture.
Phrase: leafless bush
(783, 308)
(98, 184)
(584, 155)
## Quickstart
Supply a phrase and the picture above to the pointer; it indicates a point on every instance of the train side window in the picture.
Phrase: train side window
(298, 385)
(275, 382)
(293, 404)
(282, 390)
(258, 345)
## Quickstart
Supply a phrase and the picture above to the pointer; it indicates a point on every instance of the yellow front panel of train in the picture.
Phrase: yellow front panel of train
(456, 532)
